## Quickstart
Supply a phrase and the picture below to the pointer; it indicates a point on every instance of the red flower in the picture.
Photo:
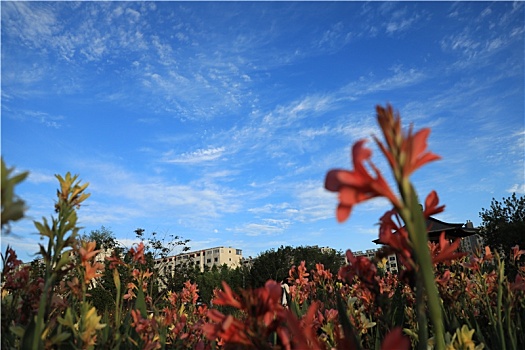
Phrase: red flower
(446, 251)
(358, 185)
(395, 340)
(359, 266)
(392, 234)
(227, 297)
(405, 153)
(431, 203)
(226, 328)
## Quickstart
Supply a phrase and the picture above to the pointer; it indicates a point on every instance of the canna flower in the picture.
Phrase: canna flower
(189, 293)
(431, 205)
(227, 328)
(138, 254)
(394, 235)
(92, 271)
(87, 251)
(358, 185)
(265, 315)
(405, 153)
(114, 260)
(517, 253)
(488, 256)
(395, 340)
(359, 266)
(445, 251)
(227, 297)
(518, 284)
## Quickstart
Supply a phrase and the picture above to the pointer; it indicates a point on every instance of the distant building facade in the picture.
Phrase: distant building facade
(217, 256)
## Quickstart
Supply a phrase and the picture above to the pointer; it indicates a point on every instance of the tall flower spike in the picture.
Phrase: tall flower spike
(405, 153)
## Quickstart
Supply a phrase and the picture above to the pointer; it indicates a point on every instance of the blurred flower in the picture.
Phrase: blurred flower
(359, 266)
(410, 148)
(395, 340)
(358, 185)
(87, 250)
(444, 252)
(431, 205)
(138, 253)
(517, 253)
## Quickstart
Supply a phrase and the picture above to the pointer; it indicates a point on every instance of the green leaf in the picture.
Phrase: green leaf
(350, 340)
(140, 303)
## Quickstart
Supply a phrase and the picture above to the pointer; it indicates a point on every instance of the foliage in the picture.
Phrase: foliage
(273, 264)
(503, 224)
(471, 302)
(12, 206)
(103, 237)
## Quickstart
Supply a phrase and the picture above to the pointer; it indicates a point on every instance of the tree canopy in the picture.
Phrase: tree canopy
(275, 264)
(503, 224)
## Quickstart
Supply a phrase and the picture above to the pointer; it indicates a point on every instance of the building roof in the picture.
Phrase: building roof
(452, 231)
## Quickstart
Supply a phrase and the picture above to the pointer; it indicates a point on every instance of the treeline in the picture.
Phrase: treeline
(271, 264)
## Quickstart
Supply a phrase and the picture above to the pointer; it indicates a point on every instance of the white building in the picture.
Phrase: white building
(217, 256)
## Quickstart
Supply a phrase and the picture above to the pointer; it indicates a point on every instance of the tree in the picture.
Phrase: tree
(104, 238)
(275, 264)
(503, 224)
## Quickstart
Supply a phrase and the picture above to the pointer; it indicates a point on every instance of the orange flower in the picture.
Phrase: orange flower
(91, 271)
(87, 250)
(405, 153)
(138, 254)
(358, 185)
(227, 297)
(226, 328)
(189, 293)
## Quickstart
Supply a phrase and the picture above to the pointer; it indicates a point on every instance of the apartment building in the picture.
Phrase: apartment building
(217, 256)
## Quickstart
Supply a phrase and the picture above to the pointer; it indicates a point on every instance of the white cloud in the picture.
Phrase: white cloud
(198, 156)
(269, 227)
(40, 177)
(517, 188)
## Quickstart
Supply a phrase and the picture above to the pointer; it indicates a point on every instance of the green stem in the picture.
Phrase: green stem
(501, 276)
(417, 230)
(422, 330)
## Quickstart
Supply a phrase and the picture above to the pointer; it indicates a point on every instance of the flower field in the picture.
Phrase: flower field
(441, 298)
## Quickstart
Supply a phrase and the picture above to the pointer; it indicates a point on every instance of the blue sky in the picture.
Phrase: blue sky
(217, 122)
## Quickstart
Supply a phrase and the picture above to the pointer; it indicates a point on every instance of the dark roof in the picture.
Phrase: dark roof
(452, 231)
(435, 227)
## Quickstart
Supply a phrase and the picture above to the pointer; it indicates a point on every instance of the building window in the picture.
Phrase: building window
(238, 251)
(392, 258)
(216, 259)
(216, 250)
(208, 261)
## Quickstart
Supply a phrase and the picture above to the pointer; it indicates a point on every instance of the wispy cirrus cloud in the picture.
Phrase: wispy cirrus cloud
(198, 156)
(268, 227)
(44, 118)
